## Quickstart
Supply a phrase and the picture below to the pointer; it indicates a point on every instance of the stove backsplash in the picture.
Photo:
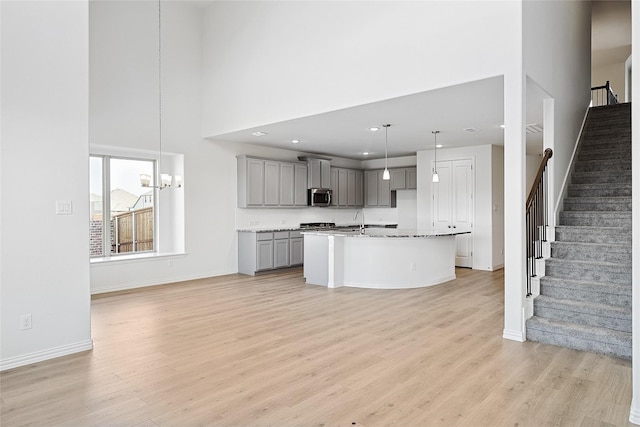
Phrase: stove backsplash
(284, 218)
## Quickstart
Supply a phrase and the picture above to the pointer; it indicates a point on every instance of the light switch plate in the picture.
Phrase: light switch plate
(64, 207)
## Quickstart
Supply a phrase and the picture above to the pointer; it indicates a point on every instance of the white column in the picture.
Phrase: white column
(634, 415)
(514, 197)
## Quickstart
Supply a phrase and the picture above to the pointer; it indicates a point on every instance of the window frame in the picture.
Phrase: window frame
(106, 207)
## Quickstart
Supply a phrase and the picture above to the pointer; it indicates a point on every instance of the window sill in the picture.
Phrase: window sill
(135, 257)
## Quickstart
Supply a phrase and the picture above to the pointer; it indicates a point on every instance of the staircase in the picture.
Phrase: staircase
(585, 295)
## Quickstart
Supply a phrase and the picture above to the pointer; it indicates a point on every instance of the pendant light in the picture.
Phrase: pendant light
(435, 177)
(385, 175)
(166, 180)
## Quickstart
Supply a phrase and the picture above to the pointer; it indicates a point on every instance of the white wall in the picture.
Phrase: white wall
(45, 263)
(266, 62)
(486, 232)
(557, 57)
(615, 73)
(124, 114)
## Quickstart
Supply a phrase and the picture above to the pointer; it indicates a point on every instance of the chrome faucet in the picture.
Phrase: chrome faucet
(361, 220)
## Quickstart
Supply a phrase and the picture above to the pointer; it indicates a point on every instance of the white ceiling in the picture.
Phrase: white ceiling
(476, 105)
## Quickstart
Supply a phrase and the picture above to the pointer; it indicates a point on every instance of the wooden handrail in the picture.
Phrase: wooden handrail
(548, 153)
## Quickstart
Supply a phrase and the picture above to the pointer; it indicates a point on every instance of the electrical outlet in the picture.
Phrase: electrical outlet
(25, 321)
(412, 266)
(170, 263)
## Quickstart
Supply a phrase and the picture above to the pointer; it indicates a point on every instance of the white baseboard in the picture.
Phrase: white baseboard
(634, 415)
(39, 356)
(513, 335)
(144, 284)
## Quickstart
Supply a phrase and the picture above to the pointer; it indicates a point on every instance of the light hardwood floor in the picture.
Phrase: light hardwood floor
(272, 351)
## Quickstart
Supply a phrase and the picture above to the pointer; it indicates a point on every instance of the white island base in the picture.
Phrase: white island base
(378, 261)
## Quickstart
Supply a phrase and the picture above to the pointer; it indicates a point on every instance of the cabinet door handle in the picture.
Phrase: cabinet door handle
(454, 226)
(448, 226)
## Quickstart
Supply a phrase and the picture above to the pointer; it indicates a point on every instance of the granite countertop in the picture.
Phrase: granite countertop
(385, 232)
(297, 228)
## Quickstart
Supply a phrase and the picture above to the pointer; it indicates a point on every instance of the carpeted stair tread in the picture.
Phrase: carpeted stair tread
(587, 338)
(600, 190)
(583, 306)
(596, 218)
(587, 251)
(597, 204)
(599, 165)
(589, 234)
(582, 290)
(596, 271)
(583, 312)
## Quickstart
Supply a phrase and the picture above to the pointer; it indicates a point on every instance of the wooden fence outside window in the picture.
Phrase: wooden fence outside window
(132, 231)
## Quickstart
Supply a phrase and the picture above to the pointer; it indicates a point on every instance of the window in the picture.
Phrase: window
(122, 212)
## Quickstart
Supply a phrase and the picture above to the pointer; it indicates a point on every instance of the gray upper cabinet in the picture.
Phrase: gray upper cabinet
(319, 173)
(398, 179)
(347, 187)
(412, 178)
(359, 188)
(378, 191)
(403, 179)
(384, 191)
(300, 185)
(287, 184)
(371, 179)
(270, 183)
(351, 188)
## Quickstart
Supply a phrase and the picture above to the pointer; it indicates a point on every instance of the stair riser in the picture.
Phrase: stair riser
(591, 236)
(604, 165)
(605, 254)
(600, 144)
(604, 178)
(605, 154)
(576, 343)
(610, 132)
(598, 320)
(570, 205)
(612, 191)
(590, 273)
(587, 295)
(602, 220)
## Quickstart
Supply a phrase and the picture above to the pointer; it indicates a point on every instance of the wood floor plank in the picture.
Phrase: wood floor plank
(270, 350)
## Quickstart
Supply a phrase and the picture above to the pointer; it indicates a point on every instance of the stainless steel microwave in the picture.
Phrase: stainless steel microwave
(319, 197)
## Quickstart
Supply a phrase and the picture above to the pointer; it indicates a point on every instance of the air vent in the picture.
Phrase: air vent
(534, 128)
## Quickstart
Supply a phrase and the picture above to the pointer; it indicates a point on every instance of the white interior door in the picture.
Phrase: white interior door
(442, 198)
(453, 205)
(462, 210)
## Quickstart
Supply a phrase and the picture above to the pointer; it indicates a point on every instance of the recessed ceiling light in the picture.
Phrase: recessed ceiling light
(439, 146)
(295, 141)
(374, 128)
(502, 126)
(471, 130)
(258, 133)
(366, 153)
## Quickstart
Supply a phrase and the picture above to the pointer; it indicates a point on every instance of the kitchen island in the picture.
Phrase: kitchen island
(379, 258)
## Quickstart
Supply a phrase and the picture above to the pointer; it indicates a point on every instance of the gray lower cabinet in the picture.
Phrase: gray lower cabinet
(296, 250)
(264, 255)
(281, 249)
(268, 250)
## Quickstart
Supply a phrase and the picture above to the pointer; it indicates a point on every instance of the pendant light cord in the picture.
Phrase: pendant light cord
(386, 143)
(159, 93)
